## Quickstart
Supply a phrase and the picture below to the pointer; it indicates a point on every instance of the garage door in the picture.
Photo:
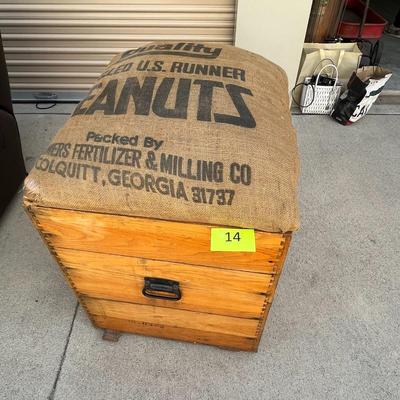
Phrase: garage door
(58, 47)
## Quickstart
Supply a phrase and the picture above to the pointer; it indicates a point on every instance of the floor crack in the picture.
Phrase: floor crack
(53, 389)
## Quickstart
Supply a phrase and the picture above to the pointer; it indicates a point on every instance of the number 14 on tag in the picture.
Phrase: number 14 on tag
(227, 239)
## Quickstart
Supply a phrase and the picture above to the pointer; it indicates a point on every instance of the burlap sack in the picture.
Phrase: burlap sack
(178, 131)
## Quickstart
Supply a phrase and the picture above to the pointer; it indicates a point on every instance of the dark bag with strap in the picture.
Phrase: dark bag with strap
(363, 89)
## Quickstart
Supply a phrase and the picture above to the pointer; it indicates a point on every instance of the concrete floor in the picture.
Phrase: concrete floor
(333, 330)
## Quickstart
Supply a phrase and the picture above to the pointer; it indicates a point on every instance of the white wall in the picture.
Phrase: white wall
(275, 29)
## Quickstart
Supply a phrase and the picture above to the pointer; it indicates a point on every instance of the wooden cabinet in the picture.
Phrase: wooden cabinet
(324, 20)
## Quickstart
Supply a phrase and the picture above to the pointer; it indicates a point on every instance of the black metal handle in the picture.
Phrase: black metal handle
(160, 288)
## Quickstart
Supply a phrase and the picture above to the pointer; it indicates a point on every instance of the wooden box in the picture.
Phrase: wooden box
(110, 261)
(173, 139)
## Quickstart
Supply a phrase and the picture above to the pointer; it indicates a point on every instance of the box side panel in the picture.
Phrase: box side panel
(219, 324)
(206, 289)
(154, 239)
(230, 342)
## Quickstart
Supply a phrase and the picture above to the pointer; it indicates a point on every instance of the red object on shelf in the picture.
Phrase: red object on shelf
(349, 28)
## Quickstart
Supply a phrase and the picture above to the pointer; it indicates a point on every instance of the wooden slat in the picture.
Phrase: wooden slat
(189, 335)
(172, 317)
(152, 239)
(211, 290)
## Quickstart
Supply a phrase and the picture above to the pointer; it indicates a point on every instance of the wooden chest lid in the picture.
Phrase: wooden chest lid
(190, 132)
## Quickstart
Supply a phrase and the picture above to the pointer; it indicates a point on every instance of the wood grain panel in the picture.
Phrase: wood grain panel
(212, 290)
(172, 317)
(188, 335)
(152, 239)
(267, 306)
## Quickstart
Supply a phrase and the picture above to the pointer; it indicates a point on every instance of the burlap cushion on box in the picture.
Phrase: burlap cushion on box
(194, 132)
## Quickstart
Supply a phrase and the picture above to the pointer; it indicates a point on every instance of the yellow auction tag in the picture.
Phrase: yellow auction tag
(228, 239)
